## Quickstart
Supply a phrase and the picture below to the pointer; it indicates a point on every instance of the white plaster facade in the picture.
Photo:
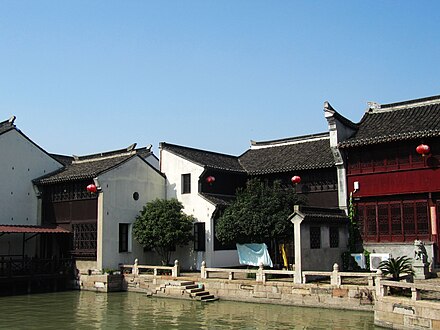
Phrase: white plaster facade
(174, 166)
(21, 162)
(117, 204)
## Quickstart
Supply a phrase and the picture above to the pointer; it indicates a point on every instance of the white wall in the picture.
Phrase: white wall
(325, 257)
(21, 161)
(117, 205)
(194, 204)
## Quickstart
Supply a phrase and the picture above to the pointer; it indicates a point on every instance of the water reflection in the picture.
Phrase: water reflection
(89, 310)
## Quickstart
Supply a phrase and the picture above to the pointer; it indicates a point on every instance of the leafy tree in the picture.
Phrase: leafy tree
(395, 267)
(161, 226)
(258, 215)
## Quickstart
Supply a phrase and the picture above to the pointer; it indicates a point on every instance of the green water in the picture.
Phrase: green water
(89, 310)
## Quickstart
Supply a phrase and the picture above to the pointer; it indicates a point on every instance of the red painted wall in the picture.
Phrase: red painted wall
(391, 183)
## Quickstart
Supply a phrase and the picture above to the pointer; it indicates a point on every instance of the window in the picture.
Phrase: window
(186, 183)
(199, 236)
(315, 237)
(334, 237)
(397, 221)
(124, 237)
(84, 240)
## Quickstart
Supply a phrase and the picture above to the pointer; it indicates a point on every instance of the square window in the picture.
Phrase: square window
(186, 183)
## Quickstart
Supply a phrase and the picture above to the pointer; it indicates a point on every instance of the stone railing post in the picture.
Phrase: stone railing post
(176, 269)
(335, 278)
(135, 269)
(380, 289)
(203, 273)
(415, 294)
(261, 276)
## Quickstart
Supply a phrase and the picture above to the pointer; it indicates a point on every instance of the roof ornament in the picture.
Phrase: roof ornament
(149, 147)
(131, 147)
(373, 106)
(327, 106)
(12, 119)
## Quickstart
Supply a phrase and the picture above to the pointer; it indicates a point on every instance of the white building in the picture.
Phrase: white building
(101, 222)
(21, 162)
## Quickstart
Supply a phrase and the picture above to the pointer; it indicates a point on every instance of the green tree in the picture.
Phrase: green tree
(161, 226)
(258, 214)
(395, 267)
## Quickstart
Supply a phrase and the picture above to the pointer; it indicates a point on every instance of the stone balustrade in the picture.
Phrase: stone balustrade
(137, 269)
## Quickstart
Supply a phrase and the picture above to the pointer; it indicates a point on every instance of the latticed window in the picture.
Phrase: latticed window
(382, 214)
(334, 237)
(396, 221)
(69, 192)
(315, 237)
(408, 218)
(371, 220)
(84, 239)
(422, 218)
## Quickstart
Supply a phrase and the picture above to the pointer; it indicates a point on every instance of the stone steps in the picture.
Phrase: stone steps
(194, 291)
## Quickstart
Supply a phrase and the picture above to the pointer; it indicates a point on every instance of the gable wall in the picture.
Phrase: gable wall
(21, 161)
(117, 205)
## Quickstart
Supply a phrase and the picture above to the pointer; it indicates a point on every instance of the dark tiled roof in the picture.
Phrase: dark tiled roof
(415, 119)
(205, 158)
(88, 167)
(219, 200)
(318, 214)
(302, 153)
(10, 229)
(7, 125)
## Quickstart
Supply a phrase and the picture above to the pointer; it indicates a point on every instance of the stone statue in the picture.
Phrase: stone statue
(420, 251)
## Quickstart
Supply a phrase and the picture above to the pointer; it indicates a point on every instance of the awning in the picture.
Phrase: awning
(16, 229)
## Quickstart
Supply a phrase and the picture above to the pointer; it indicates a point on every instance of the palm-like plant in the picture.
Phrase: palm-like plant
(395, 267)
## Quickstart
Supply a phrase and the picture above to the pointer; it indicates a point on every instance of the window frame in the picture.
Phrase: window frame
(124, 238)
(199, 236)
(186, 183)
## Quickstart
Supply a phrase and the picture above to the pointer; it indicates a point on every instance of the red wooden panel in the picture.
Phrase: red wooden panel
(391, 183)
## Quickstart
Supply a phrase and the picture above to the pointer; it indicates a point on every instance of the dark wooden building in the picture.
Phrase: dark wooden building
(396, 190)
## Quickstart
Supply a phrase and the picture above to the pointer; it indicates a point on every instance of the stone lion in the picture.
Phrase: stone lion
(420, 251)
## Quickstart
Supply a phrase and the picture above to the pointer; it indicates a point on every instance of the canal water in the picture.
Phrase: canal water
(90, 310)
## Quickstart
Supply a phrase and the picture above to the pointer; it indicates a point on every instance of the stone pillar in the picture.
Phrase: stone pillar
(335, 277)
(135, 269)
(203, 273)
(261, 277)
(176, 269)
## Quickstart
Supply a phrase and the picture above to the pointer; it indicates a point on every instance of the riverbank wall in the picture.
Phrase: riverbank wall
(350, 297)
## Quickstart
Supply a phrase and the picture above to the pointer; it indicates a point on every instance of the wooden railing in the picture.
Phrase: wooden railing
(10, 267)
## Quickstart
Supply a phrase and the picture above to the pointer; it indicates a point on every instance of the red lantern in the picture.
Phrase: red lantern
(295, 179)
(210, 179)
(92, 188)
(423, 149)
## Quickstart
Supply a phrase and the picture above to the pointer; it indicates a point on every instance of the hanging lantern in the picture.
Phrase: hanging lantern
(295, 179)
(210, 179)
(423, 149)
(92, 188)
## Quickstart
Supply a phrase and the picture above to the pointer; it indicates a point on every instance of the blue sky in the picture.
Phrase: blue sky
(93, 76)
